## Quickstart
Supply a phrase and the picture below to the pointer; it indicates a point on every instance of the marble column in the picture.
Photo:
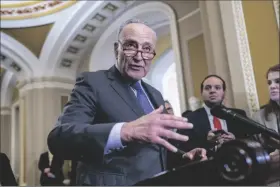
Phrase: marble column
(40, 106)
(5, 131)
(239, 56)
(215, 45)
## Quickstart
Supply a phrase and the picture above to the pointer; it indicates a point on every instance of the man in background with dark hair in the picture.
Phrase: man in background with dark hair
(168, 107)
(210, 131)
(7, 177)
(51, 170)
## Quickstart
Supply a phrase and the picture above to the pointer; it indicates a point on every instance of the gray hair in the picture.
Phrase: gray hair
(166, 101)
(130, 21)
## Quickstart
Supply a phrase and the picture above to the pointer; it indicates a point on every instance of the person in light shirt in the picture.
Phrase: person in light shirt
(210, 131)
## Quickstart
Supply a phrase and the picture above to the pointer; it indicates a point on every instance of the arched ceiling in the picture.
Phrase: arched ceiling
(61, 34)
(2, 72)
(61, 41)
(32, 37)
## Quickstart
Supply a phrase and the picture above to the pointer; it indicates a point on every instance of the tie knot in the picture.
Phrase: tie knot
(137, 86)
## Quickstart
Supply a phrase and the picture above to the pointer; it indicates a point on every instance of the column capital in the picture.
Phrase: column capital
(44, 82)
(5, 110)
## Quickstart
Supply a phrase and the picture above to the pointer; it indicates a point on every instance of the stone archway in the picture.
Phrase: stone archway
(97, 57)
(17, 58)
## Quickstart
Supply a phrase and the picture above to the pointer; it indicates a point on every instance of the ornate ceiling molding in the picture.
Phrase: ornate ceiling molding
(276, 5)
(245, 54)
(15, 4)
(7, 85)
(29, 14)
(17, 58)
(38, 9)
(70, 38)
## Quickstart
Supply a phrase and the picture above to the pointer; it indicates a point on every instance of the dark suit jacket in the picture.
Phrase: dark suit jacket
(198, 135)
(99, 100)
(72, 173)
(7, 177)
(200, 120)
(55, 168)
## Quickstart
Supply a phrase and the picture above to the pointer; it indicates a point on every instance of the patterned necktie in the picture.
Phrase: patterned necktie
(217, 123)
(142, 98)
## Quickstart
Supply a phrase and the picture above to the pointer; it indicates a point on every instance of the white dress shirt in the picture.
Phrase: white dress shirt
(114, 140)
(211, 117)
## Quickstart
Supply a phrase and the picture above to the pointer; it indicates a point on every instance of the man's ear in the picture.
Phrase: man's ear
(116, 46)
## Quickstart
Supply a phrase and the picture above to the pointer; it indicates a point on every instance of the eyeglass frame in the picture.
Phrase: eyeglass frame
(137, 51)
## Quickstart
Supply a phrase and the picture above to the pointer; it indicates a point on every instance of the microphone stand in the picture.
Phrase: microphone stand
(225, 113)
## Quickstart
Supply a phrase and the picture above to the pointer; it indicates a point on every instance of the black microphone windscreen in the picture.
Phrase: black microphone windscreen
(218, 111)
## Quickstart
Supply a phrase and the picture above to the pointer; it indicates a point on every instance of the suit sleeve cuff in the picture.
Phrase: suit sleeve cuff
(114, 140)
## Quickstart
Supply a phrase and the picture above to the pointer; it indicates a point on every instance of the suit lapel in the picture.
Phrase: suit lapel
(205, 120)
(155, 99)
(123, 90)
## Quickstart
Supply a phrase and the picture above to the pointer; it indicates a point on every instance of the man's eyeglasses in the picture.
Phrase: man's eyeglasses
(132, 51)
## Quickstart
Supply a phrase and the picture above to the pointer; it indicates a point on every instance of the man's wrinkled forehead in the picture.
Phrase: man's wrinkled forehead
(137, 30)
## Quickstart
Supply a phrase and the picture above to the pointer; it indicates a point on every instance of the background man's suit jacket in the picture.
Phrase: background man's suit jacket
(99, 100)
(200, 120)
(198, 134)
(55, 168)
(7, 177)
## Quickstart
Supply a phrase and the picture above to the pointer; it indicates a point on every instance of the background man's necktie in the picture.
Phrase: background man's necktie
(217, 123)
(142, 98)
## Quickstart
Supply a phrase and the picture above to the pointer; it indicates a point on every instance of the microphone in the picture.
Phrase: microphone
(227, 114)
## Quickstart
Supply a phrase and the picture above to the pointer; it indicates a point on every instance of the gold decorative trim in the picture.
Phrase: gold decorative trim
(276, 9)
(21, 4)
(35, 11)
(245, 54)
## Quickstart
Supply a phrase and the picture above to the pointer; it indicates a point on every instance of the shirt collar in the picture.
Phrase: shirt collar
(140, 82)
(207, 109)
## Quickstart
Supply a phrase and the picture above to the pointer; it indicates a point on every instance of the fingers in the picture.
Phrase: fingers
(176, 124)
(159, 110)
(211, 136)
(211, 133)
(204, 158)
(46, 170)
(51, 175)
(203, 152)
(188, 155)
(172, 117)
(166, 144)
(197, 153)
(170, 121)
(228, 136)
(173, 135)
